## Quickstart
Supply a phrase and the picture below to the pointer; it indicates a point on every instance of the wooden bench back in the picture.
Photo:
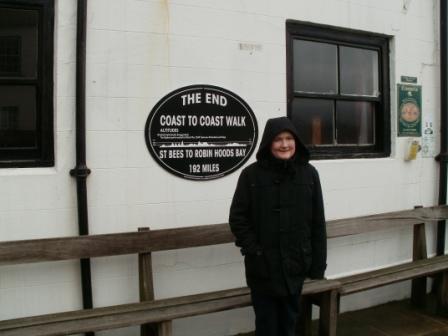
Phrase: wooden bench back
(66, 248)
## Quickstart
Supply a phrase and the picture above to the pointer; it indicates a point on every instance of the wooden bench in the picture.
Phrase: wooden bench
(325, 292)
(418, 269)
(149, 311)
(161, 311)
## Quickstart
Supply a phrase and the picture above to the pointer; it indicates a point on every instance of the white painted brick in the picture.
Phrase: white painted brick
(137, 152)
(118, 79)
(97, 80)
(139, 80)
(245, 6)
(64, 152)
(137, 112)
(160, 83)
(374, 297)
(326, 12)
(147, 186)
(117, 52)
(147, 48)
(108, 219)
(12, 277)
(65, 45)
(13, 301)
(97, 116)
(65, 113)
(65, 79)
(106, 187)
(106, 14)
(52, 298)
(154, 216)
(125, 290)
(197, 280)
(201, 212)
(208, 256)
(146, 16)
(66, 13)
(108, 149)
(234, 26)
(41, 274)
(395, 6)
(223, 323)
(98, 47)
(111, 267)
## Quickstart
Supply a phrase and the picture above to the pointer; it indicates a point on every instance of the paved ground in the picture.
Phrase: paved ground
(391, 319)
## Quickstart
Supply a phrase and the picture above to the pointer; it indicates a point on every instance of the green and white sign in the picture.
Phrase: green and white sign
(409, 110)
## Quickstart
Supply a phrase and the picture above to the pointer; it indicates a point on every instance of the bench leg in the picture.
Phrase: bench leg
(442, 294)
(418, 293)
(165, 328)
(148, 329)
(328, 314)
(304, 322)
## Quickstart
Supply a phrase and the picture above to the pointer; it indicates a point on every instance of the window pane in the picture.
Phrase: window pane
(315, 67)
(355, 122)
(18, 42)
(359, 71)
(17, 116)
(314, 120)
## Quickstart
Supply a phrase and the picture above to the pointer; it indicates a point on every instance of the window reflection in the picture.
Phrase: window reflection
(315, 67)
(359, 71)
(17, 116)
(314, 120)
(18, 43)
(355, 122)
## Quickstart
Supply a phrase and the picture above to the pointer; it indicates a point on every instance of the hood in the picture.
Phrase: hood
(275, 126)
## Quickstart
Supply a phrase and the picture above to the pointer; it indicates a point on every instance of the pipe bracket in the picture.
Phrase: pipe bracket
(442, 157)
(80, 172)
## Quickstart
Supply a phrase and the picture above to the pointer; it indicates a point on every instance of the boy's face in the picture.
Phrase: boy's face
(283, 146)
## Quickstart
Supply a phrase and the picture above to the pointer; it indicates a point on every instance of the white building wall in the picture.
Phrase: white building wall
(137, 52)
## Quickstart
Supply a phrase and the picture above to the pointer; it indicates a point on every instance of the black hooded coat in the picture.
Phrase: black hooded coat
(277, 217)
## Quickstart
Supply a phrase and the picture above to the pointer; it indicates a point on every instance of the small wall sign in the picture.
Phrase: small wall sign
(428, 138)
(201, 132)
(409, 79)
(409, 110)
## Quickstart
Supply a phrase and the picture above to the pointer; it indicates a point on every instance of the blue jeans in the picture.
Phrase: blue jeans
(275, 316)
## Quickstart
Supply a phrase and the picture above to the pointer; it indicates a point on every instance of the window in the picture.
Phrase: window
(338, 90)
(26, 83)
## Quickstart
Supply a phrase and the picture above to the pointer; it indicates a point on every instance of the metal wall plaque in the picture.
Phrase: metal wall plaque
(409, 79)
(409, 110)
(201, 132)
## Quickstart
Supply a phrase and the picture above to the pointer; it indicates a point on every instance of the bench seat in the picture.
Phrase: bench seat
(142, 312)
(389, 275)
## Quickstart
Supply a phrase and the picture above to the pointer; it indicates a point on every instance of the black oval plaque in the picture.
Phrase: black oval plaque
(201, 132)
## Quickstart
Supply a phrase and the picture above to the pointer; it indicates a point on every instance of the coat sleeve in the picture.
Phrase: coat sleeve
(240, 217)
(318, 232)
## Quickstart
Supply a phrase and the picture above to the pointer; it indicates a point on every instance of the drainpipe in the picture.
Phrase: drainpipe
(443, 156)
(81, 171)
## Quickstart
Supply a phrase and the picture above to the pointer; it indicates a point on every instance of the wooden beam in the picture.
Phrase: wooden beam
(146, 286)
(140, 313)
(53, 249)
(389, 275)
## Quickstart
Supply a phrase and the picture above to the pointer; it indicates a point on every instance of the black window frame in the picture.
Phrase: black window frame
(41, 155)
(351, 38)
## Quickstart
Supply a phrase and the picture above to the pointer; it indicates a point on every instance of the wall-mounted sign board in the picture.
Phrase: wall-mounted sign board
(409, 79)
(409, 110)
(201, 132)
